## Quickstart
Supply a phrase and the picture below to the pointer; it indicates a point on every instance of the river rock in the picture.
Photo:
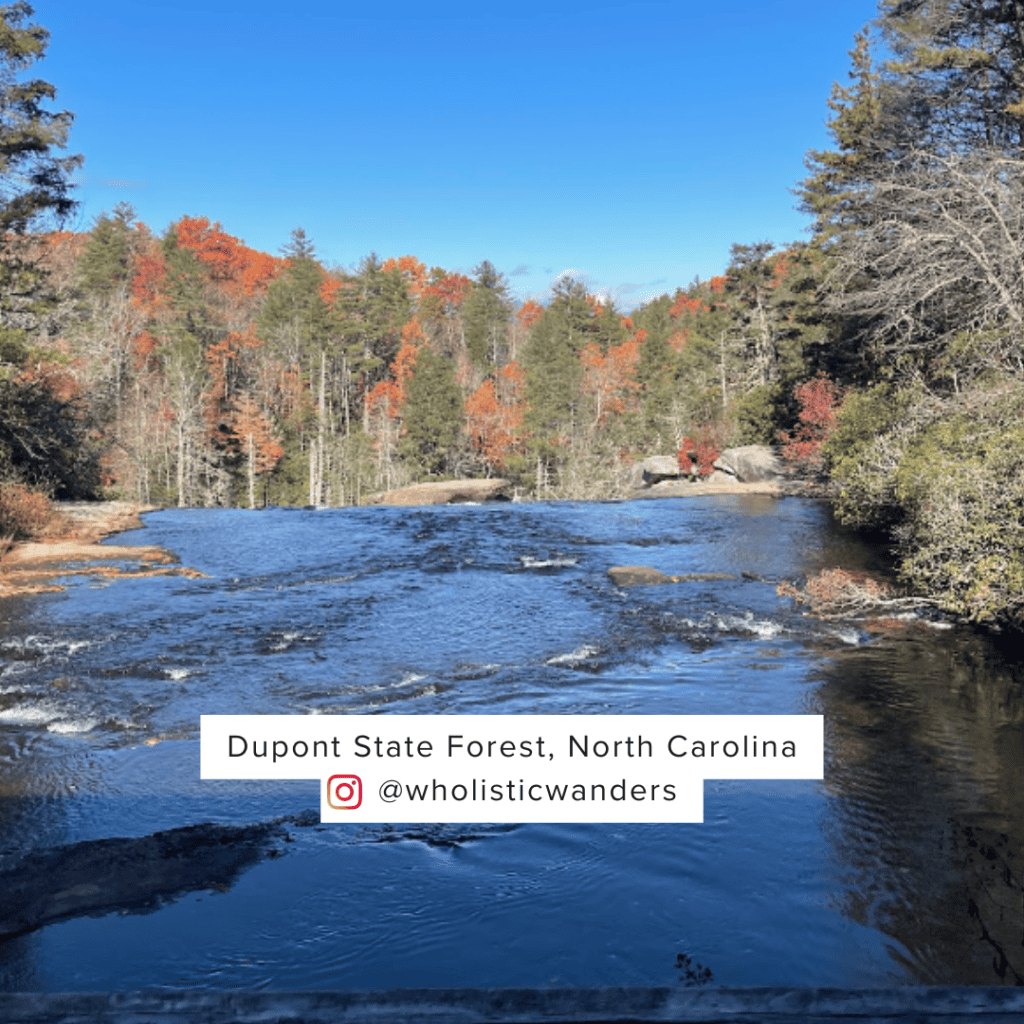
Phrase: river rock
(644, 575)
(656, 468)
(444, 492)
(752, 463)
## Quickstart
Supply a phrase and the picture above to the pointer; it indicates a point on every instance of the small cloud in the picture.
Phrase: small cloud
(521, 271)
(590, 283)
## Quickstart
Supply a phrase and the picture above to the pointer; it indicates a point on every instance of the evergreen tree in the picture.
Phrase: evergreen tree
(298, 322)
(551, 360)
(485, 314)
(609, 330)
(34, 185)
(105, 264)
(294, 315)
(856, 131)
(955, 82)
(432, 417)
(921, 205)
(371, 313)
(656, 374)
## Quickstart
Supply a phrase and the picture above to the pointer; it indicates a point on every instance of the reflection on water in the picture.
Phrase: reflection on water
(926, 772)
(903, 867)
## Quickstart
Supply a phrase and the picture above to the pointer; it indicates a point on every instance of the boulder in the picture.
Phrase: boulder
(753, 463)
(444, 492)
(656, 468)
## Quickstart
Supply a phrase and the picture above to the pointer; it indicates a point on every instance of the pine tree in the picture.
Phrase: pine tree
(921, 206)
(485, 314)
(432, 416)
(956, 78)
(855, 128)
(34, 185)
(296, 320)
(656, 372)
(371, 312)
(554, 372)
(105, 265)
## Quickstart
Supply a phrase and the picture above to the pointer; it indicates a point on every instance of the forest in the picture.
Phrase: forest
(882, 354)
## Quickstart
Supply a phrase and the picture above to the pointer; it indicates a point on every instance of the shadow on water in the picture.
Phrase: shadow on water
(925, 734)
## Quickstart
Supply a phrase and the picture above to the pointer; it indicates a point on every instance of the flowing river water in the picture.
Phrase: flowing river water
(904, 866)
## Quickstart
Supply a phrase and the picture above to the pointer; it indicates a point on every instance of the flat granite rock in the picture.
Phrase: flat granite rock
(444, 492)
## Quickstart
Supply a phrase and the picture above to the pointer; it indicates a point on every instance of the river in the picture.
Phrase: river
(904, 866)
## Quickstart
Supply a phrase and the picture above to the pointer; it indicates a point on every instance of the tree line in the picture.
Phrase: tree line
(886, 350)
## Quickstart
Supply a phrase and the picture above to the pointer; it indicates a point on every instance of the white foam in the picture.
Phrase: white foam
(29, 714)
(574, 657)
(75, 725)
(529, 562)
(848, 636)
(177, 673)
(49, 645)
(759, 627)
(409, 677)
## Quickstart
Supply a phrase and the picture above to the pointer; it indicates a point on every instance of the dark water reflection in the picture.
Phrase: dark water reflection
(903, 867)
(926, 771)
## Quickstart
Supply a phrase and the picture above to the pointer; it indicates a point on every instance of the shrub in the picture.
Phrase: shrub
(963, 534)
(819, 400)
(698, 454)
(23, 513)
(863, 450)
(946, 477)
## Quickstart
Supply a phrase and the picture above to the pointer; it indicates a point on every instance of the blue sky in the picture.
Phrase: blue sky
(628, 144)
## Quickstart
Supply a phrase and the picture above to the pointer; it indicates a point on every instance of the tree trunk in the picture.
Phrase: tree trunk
(252, 472)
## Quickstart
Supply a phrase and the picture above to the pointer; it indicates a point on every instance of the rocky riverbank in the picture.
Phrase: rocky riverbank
(72, 548)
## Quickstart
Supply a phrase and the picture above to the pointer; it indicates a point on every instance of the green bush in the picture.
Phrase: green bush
(963, 537)
(760, 414)
(947, 478)
(862, 452)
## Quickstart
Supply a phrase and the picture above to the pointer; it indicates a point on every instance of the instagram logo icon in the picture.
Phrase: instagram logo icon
(344, 792)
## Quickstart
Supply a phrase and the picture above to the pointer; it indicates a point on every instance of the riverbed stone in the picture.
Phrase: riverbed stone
(444, 492)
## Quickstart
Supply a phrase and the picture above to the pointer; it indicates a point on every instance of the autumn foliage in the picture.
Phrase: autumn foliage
(698, 454)
(494, 415)
(24, 514)
(819, 401)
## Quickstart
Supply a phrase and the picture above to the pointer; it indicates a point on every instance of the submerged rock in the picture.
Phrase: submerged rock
(644, 575)
(130, 875)
(444, 492)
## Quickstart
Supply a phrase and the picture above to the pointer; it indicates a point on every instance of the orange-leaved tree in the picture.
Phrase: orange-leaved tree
(494, 415)
(255, 439)
(609, 377)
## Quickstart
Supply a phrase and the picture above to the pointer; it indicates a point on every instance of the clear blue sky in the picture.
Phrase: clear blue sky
(630, 144)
